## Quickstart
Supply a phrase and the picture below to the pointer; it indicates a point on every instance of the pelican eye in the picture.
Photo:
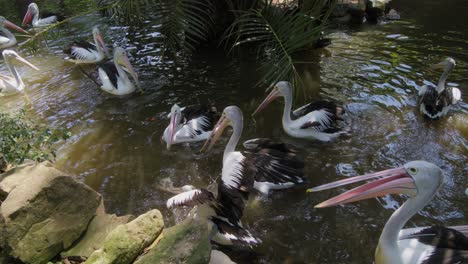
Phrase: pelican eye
(413, 171)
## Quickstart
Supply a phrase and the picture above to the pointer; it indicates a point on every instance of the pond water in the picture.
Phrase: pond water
(375, 70)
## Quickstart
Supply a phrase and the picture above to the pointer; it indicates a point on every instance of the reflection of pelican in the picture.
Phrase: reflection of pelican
(420, 180)
(82, 52)
(33, 13)
(271, 165)
(434, 101)
(8, 39)
(225, 211)
(114, 77)
(15, 83)
(189, 124)
(317, 120)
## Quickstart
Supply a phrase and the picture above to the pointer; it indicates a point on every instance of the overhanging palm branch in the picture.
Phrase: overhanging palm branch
(278, 33)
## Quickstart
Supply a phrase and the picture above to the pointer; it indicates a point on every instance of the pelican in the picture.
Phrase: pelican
(435, 102)
(8, 39)
(317, 120)
(13, 84)
(271, 165)
(189, 124)
(114, 77)
(420, 180)
(33, 13)
(84, 52)
(223, 212)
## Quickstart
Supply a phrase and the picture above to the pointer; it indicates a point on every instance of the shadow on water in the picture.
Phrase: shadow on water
(375, 70)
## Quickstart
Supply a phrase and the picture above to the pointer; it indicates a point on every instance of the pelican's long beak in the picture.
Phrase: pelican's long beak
(272, 96)
(126, 64)
(27, 18)
(439, 65)
(23, 60)
(10, 25)
(103, 45)
(390, 181)
(216, 132)
(172, 127)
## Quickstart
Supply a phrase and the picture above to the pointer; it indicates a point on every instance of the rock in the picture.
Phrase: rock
(218, 257)
(126, 242)
(44, 212)
(187, 242)
(98, 229)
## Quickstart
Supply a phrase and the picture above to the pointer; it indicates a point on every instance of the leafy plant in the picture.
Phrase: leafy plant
(21, 138)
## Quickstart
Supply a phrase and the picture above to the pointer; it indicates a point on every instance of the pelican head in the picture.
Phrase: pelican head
(231, 116)
(7, 24)
(99, 40)
(10, 54)
(33, 10)
(176, 116)
(120, 57)
(448, 64)
(282, 88)
(414, 178)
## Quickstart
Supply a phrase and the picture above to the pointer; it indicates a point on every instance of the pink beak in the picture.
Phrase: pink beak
(27, 18)
(389, 182)
(272, 96)
(14, 27)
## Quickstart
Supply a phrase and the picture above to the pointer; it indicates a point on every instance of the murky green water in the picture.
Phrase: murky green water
(374, 70)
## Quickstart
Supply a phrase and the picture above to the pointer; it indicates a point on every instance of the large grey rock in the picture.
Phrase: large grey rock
(98, 229)
(44, 212)
(187, 242)
(126, 242)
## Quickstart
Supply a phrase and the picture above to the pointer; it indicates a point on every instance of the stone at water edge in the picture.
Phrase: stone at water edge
(98, 229)
(126, 242)
(187, 242)
(44, 212)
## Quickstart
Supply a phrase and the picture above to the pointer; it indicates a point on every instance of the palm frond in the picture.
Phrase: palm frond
(278, 33)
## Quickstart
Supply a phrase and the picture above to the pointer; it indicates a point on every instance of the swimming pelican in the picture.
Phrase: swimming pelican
(271, 165)
(435, 102)
(84, 52)
(317, 120)
(33, 13)
(114, 77)
(223, 212)
(420, 180)
(189, 124)
(8, 39)
(13, 84)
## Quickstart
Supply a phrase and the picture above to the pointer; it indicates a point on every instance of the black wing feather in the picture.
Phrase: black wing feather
(196, 111)
(111, 71)
(331, 107)
(435, 102)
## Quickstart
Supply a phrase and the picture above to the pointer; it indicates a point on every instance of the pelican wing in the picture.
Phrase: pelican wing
(320, 120)
(111, 71)
(48, 20)
(257, 144)
(190, 198)
(234, 232)
(441, 237)
(331, 107)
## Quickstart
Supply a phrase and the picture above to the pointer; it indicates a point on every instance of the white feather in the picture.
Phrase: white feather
(233, 170)
(456, 94)
(182, 198)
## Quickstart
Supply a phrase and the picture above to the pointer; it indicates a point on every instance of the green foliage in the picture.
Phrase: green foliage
(278, 33)
(21, 138)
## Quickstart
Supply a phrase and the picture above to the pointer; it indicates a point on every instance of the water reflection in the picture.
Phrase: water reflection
(375, 70)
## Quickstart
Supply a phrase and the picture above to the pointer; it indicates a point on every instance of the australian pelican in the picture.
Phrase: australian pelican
(114, 77)
(271, 165)
(8, 39)
(420, 180)
(435, 102)
(317, 120)
(224, 211)
(189, 124)
(33, 13)
(84, 52)
(13, 84)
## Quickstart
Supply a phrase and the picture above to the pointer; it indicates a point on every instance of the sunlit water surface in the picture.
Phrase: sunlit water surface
(375, 70)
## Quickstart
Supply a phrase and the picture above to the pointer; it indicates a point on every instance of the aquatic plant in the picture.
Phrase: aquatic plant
(22, 138)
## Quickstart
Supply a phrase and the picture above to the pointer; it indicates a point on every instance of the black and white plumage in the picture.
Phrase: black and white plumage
(84, 52)
(271, 165)
(317, 120)
(224, 211)
(420, 181)
(7, 39)
(114, 77)
(435, 102)
(189, 124)
(33, 13)
(13, 83)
